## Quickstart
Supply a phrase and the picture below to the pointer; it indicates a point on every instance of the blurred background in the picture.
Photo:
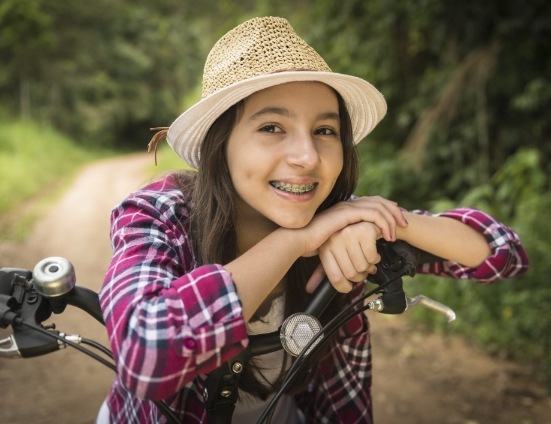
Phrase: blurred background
(468, 85)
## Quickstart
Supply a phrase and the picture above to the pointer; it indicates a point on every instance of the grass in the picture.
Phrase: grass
(36, 163)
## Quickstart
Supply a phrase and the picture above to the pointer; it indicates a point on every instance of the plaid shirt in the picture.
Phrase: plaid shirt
(171, 322)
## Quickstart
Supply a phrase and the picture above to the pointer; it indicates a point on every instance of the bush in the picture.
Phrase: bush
(510, 317)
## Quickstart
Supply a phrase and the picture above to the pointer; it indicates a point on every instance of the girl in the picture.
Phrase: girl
(202, 259)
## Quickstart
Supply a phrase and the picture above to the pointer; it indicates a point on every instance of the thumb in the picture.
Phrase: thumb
(315, 279)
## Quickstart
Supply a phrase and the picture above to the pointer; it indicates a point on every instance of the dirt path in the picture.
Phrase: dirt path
(68, 387)
(424, 378)
(420, 378)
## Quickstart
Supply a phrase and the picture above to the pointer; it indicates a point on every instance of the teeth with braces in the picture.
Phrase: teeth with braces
(293, 188)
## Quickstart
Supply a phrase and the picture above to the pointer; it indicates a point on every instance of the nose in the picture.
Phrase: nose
(302, 151)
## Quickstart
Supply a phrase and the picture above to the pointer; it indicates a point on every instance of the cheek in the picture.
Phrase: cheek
(242, 173)
(241, 155)
(336, 167)
(336, 161)
(339, 161)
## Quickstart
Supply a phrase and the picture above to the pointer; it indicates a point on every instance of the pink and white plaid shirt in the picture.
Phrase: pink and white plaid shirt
(171, 322)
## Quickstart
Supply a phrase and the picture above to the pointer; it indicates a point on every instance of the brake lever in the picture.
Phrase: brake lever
(20, 301)
(8, 348)
(397, 260)
(33, 297)
(431, 304)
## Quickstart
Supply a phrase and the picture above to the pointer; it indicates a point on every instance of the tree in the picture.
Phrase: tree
(26, 39)
(467, 83)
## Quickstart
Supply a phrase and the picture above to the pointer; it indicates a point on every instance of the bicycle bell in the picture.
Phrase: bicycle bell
(54, 277)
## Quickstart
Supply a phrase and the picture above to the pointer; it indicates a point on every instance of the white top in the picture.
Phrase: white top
(248, 409)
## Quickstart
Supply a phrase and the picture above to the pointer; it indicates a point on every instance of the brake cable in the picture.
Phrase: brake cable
(317, 342)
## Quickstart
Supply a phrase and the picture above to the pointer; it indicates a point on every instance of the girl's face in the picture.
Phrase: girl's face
(285, 154)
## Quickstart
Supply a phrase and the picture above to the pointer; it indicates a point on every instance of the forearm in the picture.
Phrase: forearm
(187, 328)
(258, 271)
(445, 237)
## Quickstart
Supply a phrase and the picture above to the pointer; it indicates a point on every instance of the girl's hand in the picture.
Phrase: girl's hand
(385, 214)
(347, 257)
(349, 254)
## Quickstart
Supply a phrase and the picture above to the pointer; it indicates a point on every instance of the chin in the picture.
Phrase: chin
(293, 224)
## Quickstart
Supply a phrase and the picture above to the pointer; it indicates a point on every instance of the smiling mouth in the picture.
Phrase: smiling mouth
(293, 188)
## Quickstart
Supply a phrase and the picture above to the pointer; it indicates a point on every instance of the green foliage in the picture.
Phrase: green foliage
(25, 35)
(104, 77)
(509, 317)
(475, 74)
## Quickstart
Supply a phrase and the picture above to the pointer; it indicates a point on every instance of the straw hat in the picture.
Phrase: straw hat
(261, 53)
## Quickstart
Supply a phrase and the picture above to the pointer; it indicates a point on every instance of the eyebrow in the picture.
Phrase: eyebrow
(269, 110)
(287, 113)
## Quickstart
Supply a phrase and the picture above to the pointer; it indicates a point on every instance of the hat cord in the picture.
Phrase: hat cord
(156, 139)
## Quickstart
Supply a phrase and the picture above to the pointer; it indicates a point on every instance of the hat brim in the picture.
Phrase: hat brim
(365, 104)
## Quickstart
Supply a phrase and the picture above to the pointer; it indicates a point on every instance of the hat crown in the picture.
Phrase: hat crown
(257, 47)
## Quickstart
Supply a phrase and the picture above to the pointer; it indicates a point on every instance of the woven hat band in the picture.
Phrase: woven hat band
(257, 47)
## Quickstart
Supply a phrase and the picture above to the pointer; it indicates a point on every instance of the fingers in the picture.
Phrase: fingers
(348, 232)
(392, 208)
(369, 251)
(342, 273)
(384, 213)
(350, 255)
(315, 279)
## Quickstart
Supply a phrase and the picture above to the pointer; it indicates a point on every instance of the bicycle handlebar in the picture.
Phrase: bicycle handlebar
(34, 296)
(31, 298)
(27, 299)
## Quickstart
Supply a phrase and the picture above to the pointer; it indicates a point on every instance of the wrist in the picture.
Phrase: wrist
(405, 233)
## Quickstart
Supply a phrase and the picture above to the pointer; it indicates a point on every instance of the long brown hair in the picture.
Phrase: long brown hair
(212, 222)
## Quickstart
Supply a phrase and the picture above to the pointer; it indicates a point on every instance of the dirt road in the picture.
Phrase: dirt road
(420, 378)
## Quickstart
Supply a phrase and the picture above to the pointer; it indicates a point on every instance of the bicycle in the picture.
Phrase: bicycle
(28, 298)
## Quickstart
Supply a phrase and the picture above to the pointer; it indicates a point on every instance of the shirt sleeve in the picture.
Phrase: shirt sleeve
(166, 320)
(507, 259)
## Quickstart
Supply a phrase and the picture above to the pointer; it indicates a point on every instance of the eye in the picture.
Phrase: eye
(325, 131)
(270, 128)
